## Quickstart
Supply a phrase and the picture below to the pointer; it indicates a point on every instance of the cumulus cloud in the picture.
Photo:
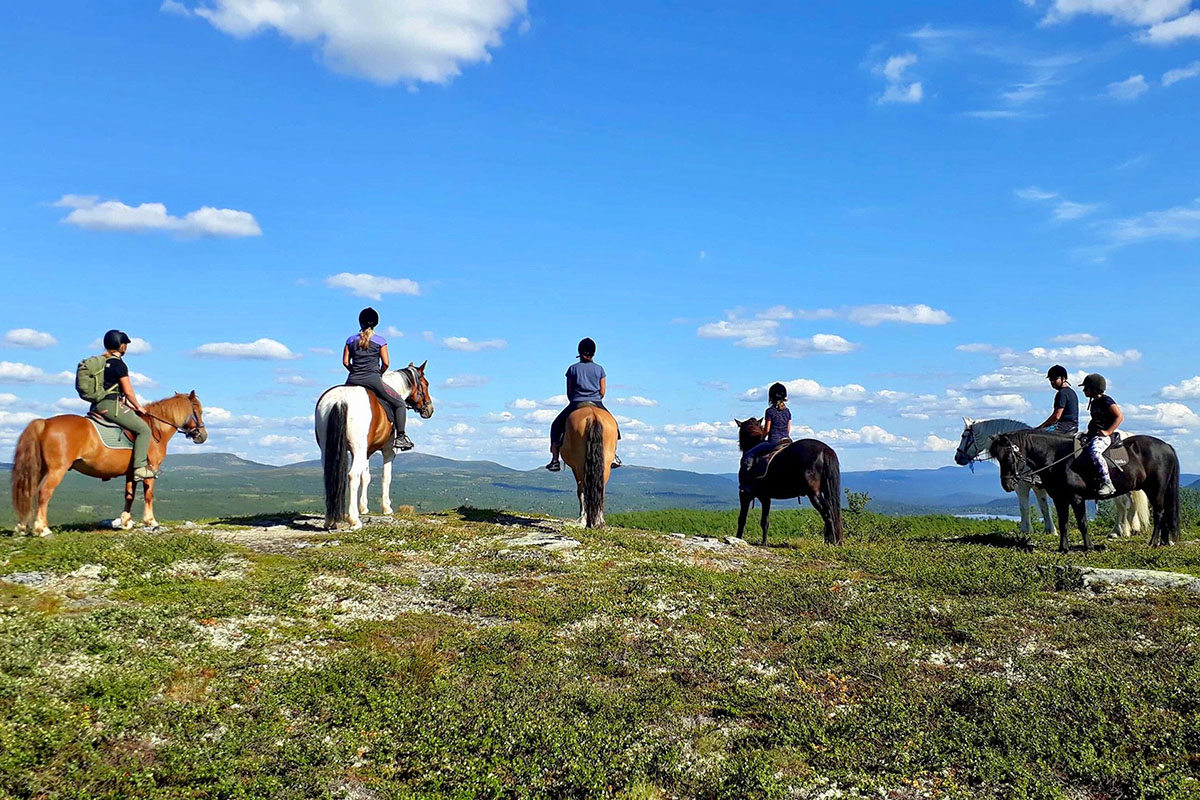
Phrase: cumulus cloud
(1132, 12)
(1182, 74)
(16, 372)
(460, 429)
(8, 399)
(637, 400)
(465, 345)
(465, 381)
(137, 346)
(28, 337)
(277, 440)
(16, 419)
(849, 412)
(542, 416)
(826, 343)
(410, 41)
(919, 314)
(899, 89)
(266, 349)
(1075, 338)
(807, 389)
(936, 444)
(112, 215)
(502, 416)
(1173, 416)
(1171, 31)
(1087, 355)
(1131, 88)
(758, 332)
(373, 287)
(1188, 389)
(977, 347)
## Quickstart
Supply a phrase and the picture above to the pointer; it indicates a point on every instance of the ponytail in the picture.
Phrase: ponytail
(364, 337)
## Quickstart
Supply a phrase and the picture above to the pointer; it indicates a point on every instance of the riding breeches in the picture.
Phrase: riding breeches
(558, 428)
(1096, 445)
(393, 403)
(113, 410)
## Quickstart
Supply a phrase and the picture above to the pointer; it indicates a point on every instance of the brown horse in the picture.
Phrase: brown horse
(49, 447)
(588, 448)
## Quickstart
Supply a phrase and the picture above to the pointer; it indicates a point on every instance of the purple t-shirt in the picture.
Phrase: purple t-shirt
(779, 419)
(365, 361)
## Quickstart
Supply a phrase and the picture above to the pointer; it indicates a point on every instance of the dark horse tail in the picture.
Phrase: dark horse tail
(1169, 534)
(593, 471)
(27, 472)
(336, 457)
(831, 488)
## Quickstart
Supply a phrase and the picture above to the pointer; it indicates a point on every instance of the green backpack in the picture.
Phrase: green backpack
(89, 379)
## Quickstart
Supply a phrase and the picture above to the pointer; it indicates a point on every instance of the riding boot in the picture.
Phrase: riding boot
(402, 442)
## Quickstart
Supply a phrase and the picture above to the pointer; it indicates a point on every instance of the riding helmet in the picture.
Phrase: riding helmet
(1095, 383)
(368, 318)
(777, 392)
(587, 347)
(1057, 371)
(114, 339)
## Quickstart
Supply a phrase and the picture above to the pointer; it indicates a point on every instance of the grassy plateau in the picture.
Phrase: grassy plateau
(484, 654)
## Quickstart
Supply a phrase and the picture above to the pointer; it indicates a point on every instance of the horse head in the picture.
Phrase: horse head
(419, 397)
(968, 448)
(750, 433)
(1007, 455)
(193, 426)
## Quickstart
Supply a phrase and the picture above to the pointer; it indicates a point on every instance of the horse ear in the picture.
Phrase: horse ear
(192, 394)
(968, 422)
(737, 422)
(422, 367)
(411, 364)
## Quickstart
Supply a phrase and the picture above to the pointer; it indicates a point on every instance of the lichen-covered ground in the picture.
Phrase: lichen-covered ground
(481, 654)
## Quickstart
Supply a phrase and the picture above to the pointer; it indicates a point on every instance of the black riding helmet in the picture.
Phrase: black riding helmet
(114, 339)
(587, 347)
(1095, 383)
(777, 392)
(1057, 371)
(368, 318)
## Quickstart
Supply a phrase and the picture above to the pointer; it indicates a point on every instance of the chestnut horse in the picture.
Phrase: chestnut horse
(49, 447)
(589, 446)
(350, 425)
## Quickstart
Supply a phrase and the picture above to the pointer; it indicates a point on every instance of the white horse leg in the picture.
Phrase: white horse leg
(387, 481)
(366, 483)
(582, 521)
(1047, 513)
(1023, 500)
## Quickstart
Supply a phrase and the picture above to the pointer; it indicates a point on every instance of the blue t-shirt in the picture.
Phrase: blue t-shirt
(779, 419)
(365, 361)
(583, 381)
(1068, 401)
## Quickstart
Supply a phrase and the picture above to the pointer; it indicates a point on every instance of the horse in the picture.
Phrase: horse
(350, 425)
(1153, 468)
(805, 468)
(1133, 510)
(589, 446)
(48, 448)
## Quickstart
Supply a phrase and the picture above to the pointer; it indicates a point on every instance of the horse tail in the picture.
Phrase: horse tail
(28, 466)
(336, 458)
(1170, 516)
(1141, 510)
(831, 487)
(593, 471)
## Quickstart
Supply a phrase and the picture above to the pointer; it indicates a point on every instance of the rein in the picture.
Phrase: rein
(191, 432)
(1022, 460)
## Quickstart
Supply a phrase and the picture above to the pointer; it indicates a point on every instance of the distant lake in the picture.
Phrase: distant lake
(1004, 517)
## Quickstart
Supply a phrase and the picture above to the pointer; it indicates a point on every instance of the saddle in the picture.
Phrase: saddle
(112, 435)
(1115, 454)
(754, 467)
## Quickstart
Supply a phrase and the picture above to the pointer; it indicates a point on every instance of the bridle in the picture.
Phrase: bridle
(192, 430)
(418, 397)
(1031, 475)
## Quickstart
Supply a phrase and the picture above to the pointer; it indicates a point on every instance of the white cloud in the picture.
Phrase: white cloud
(849, 412)
(373, 287)
(936, 444)
(806, 389)
(1182, 74)
(1075, 338)
(1174, 416)
(1034, 193)
(1180, 222)
(523, 403)
(1064, 210)
(294, 380)
(137, 346)
(542, 416)
(465, 345)
(899, 90)
(911, 315)
(1087, 355)
(465, 381)
(8, 399)
(1131, 88)
(460, 429)
(16, 419)
(637, 400)
(503, 416)
(747, 332)
(384, 41)
(825, 343)
(72, 405)
(1168, 32)
(1133, 12)
(276, 440)
(141, 380)
(1188, 389)
(28, 337)
(16, 372)
(258, 349)
(394, 332)
(977, 347)
(112, 215)
(1004, 402)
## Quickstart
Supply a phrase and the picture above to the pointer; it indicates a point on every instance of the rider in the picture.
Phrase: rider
(125, 414)
(777, 424)
(1065, 417)
(586, 383)
(1106, 418)
(366, 357)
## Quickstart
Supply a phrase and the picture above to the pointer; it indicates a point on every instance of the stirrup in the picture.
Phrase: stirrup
(402, 442)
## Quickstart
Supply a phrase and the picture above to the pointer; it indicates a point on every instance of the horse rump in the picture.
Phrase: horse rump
(335, 458)
(27, 473)
(593, 472)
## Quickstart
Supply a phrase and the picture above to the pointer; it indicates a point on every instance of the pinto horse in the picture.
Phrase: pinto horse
(351, 425)
(805, 468)
(1153, 468)
(49, 447)
(588, 448)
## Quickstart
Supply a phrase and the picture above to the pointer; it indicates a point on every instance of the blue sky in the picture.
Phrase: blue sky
(908, 211)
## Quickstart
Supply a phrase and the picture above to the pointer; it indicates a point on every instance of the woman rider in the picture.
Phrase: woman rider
(1106, 418)
(119, 388)
(366, 357)
(586, 383)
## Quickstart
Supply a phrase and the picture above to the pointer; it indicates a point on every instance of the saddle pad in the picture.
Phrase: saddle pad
(111, 436)
(1115, 455)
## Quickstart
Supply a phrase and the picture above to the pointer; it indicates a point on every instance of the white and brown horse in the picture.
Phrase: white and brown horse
(48, 448)
(351, 425)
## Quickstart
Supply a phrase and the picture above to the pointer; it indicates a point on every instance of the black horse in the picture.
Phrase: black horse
(1046, 457)
(806, 468)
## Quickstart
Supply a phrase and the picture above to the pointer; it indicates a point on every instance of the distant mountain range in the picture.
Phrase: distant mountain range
(208, 485)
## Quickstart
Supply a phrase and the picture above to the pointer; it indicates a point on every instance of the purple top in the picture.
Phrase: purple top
(366, 361)
(779, 419)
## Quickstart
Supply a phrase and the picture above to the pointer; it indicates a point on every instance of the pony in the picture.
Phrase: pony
(589, 445)
(1133, 510)
(350, 424)
(48, 448)
(1153, 467)
(805, 468)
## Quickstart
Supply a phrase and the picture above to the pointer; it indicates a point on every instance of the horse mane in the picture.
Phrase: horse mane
(750, 433)
(994, 427)
(175, 408)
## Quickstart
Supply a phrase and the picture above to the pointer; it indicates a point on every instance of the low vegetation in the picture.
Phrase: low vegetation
(481, 654)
